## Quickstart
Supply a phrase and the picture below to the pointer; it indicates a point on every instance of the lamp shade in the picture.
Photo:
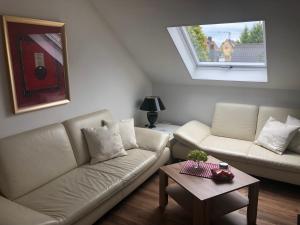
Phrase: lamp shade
(152, 104)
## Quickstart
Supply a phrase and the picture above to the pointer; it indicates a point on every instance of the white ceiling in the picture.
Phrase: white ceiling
(141, 27)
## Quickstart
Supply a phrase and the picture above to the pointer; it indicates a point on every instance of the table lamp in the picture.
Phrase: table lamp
(152, 104)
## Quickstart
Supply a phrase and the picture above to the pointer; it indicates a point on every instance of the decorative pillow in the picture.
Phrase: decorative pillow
(276, 136)
(127, 132)
(295, 143)
(104, 143)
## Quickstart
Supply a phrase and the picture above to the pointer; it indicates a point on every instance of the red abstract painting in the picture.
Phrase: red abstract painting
(37, 62)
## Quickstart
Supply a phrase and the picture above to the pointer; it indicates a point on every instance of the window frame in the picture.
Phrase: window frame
(225, 71)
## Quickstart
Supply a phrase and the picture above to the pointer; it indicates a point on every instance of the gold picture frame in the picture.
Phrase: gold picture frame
(36, 55)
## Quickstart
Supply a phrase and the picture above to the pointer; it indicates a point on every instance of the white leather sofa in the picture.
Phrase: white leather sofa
(46, 178)
(231, 136)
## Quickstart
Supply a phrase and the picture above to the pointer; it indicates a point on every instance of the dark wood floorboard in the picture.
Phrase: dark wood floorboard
(279, 204)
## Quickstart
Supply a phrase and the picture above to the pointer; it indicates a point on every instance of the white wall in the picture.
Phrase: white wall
(189, 102)
(101, 72)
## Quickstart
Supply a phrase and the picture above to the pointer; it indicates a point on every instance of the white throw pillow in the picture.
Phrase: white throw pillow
(104, 143)
(295, 143)
(276, 136)
(127, 132)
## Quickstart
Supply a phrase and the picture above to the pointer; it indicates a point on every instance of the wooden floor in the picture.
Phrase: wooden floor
(279, 204)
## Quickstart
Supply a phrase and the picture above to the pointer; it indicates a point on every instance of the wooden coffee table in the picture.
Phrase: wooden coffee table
(210, 202)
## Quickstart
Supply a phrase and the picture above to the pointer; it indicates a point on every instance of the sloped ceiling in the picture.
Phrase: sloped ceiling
(141, 27)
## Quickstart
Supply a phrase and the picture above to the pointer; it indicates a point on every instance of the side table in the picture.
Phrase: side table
(166, 128)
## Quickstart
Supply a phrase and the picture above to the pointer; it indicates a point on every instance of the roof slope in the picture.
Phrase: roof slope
(141, 27)
(248, 53)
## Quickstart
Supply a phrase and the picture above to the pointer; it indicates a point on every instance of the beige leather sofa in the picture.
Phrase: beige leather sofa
(46, 178)
(231, 136)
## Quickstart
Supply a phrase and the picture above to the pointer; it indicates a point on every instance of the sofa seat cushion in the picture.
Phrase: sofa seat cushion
(226, 147)
(126, 167)
(289, 161)
(75, 194)
(16, 214)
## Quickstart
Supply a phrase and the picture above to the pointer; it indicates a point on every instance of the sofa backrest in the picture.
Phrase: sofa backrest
(235, 121)
(33, 158)
(278, 113)
(74, 129)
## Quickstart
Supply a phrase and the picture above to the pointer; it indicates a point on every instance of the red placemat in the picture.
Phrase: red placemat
(204, 169)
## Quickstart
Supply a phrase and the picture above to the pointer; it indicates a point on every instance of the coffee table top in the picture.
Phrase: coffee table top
(204, 188)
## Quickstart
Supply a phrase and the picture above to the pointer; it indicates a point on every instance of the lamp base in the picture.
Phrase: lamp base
(152, 118)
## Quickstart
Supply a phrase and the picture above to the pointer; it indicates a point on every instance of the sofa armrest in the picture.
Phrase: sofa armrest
(150, 139)
(15, 214)
(192, 133)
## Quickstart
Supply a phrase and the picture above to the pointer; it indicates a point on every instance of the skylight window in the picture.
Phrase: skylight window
(207, 50)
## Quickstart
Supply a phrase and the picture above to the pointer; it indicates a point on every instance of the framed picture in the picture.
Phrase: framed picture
(37, 63)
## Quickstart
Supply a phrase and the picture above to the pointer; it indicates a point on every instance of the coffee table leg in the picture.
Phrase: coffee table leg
(200, 212)
(253, 201)
(163, 196)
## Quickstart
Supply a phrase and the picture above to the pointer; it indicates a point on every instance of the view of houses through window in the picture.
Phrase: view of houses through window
(229, 43)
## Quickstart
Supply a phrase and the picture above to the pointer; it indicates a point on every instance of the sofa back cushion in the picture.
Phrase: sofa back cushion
(33, 158)
(265, 112)
(235, 121)
(74, 129)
